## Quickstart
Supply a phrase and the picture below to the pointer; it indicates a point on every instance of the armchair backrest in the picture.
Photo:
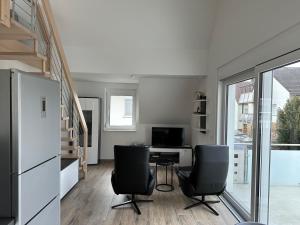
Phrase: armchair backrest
(210, 171)
(132, 169)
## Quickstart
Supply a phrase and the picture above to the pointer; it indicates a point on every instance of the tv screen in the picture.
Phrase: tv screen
(167, 137)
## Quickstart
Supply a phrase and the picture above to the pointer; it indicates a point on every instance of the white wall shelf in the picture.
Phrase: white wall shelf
(199, 115)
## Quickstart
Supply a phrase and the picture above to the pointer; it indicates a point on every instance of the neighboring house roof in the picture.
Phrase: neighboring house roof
(289, 77)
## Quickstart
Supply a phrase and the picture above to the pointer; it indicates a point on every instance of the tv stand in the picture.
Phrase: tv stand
(182, 156)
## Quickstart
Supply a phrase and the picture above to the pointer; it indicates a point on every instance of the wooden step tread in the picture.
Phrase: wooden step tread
(67, 129)
(69, 148)
(33, 59)
(68, 139)
(69, 156)
(16, 32)
(15, 46)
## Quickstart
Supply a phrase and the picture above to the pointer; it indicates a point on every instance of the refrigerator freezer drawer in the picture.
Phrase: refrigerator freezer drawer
(36, 108)
(49, 216)
(37, 188)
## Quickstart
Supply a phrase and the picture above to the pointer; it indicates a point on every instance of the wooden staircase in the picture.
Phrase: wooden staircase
(20, 43)
(40, 47)
(70, 148)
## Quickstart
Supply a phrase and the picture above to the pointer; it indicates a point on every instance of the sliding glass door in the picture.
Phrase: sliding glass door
(262, 129)
(239, 138)
(280, 146)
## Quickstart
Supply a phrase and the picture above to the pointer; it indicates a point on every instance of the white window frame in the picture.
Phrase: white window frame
(120, 92)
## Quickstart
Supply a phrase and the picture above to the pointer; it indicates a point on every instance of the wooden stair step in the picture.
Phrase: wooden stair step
(69, 156)
(65, 118)
(69, 148)
(68, 139)
(16, 31)
(15, 46)
(33, 59)
(67, 129)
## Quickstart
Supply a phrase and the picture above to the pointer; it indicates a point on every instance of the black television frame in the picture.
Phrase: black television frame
(167, 141)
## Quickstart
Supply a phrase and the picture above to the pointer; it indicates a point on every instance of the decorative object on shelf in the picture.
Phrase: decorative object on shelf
(199, 95)
(199, 112)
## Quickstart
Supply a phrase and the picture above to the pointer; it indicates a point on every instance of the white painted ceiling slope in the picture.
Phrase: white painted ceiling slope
(136, 37)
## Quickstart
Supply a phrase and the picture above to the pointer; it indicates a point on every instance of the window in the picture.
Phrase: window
(120, 109)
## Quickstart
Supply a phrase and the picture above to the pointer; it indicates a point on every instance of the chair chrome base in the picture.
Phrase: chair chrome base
(133, 202)
(204, 202)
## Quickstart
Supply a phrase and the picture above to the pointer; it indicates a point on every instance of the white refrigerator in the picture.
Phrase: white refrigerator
(30, 146)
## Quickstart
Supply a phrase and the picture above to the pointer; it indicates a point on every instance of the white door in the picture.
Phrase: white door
(90, 108)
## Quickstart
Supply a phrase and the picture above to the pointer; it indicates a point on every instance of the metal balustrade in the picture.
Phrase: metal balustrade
(36, 16)
(24, 12)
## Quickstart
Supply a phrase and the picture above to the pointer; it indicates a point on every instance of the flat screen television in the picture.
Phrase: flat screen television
(167, 137)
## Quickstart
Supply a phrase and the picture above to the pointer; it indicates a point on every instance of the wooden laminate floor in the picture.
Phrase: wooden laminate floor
(89, 203)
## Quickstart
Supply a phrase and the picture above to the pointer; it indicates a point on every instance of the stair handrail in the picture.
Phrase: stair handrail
(56, 37)
(50, 28)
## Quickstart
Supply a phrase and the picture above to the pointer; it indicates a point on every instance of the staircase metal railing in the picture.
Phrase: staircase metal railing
(69, 95)
(37, 16)
(24, 12)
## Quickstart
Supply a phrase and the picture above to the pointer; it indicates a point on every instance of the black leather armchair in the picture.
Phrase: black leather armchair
(132, 174)
(207, 176)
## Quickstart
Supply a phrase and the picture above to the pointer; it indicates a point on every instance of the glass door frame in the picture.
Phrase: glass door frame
(246, 75)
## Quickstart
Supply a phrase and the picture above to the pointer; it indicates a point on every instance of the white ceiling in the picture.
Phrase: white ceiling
(124, 35)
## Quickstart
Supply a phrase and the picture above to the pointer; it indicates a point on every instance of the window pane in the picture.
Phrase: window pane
(121, 108)
(239, 139)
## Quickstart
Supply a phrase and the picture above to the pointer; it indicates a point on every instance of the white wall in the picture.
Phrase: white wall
(136, 61)
(162, 102)
(247, 33)
(168, 37)
(166, 100)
